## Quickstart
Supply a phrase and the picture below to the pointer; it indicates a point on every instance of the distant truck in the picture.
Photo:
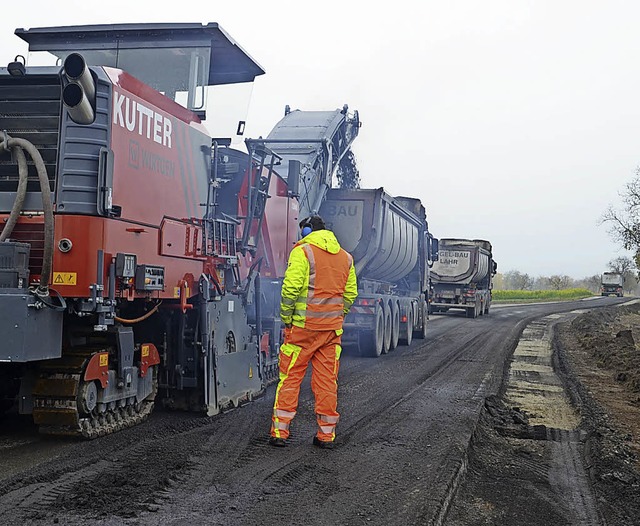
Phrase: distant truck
(392, 251)
(462, 276)
(612, 283)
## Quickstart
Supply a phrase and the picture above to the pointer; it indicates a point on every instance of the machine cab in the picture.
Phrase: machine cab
(192, 64)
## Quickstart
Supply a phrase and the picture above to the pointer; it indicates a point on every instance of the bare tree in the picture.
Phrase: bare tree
(621, 265)
(516, 280)
(558, 282)
(625, 223)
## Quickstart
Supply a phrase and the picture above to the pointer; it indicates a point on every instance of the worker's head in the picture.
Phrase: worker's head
(311, 224)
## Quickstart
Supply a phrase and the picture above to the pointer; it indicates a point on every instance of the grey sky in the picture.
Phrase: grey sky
(514, 121)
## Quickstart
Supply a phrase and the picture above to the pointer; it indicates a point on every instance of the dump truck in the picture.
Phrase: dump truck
(611, 284)
(393, 251)
(462, 276)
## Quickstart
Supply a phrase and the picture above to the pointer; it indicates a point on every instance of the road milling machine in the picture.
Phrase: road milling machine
(141, 254)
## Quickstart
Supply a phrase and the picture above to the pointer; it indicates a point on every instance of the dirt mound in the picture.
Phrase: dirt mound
(609, 335)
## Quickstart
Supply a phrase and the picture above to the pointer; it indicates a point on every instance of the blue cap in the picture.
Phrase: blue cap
(306, 231)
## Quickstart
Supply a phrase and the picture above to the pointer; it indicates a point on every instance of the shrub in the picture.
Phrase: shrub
(540, 295)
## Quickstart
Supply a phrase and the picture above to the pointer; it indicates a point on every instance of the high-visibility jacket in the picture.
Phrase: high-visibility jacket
(319, 285)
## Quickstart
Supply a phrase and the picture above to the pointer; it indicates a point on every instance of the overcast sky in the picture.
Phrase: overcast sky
(513, 121)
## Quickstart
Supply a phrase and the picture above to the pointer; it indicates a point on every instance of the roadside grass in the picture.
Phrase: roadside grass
(530, 296)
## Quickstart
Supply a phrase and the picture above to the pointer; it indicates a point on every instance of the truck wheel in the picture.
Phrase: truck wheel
(395, 325)
(386, 341)
(486, 308)
(407, 334)
(421, 333)
(371, 341)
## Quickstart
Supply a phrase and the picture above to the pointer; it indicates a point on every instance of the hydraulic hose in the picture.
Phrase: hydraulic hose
(18, 144)
(141, 318)
(21, 193)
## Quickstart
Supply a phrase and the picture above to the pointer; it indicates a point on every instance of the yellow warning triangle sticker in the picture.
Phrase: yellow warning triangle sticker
(58, 279)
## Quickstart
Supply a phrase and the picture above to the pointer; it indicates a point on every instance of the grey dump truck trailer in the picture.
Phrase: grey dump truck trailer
(611, 284)
(393, 250)
(462, 276)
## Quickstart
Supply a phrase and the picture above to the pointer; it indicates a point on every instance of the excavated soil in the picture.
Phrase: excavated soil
(574, 459)
(599, 354)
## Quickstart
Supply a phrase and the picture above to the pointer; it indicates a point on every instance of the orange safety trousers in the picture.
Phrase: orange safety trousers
(322, 349)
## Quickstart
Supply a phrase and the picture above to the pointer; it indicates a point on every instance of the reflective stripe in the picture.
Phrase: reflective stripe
(325, 314)
(327, 429)
(325, 301)
(329, 419)
(288, 301)
(293, 351)
(284, 414)
(312, 270)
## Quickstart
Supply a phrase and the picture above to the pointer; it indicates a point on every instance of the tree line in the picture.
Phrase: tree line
(516, 280)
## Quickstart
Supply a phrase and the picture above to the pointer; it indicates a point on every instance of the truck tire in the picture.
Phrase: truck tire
(421, 333)
(472, 312)
(395, 324)
(407, 334)
(371, 341)
(386, 340)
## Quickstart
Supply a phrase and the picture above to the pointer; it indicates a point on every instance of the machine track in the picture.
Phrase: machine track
(58, 392)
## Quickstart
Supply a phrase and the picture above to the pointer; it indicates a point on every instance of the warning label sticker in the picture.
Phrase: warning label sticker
(65, 278)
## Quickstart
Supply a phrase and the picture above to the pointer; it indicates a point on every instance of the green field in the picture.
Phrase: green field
(524, 296)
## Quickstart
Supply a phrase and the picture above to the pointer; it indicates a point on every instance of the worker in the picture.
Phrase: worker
(318, 290)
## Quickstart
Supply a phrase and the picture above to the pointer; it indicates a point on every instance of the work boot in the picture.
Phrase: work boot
(277, 442)
(323, 444)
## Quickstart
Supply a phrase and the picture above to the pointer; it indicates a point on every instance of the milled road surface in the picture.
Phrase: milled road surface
(407, 423)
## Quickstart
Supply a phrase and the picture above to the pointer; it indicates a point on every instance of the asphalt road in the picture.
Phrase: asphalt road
(407, 421)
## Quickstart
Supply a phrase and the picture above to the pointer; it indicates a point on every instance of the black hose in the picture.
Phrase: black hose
(21, 193)
(18, 145)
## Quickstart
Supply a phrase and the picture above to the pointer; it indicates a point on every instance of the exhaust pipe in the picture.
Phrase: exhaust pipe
(79, 94)
(77, 104)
